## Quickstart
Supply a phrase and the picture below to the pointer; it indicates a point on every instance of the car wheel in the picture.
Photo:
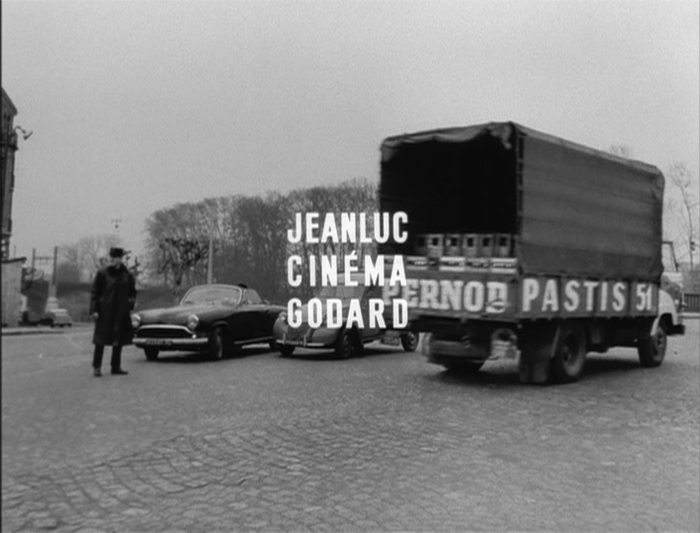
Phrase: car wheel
(216, 344)
(652, 347)
(285, 350)
(151, 353)
(410, 341)
(344, 345)
(569, 353)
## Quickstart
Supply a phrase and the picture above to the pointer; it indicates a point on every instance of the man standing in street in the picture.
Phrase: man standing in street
(112, 298)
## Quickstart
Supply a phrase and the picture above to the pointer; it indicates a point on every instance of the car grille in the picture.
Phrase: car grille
(298, 334)
(164, 332)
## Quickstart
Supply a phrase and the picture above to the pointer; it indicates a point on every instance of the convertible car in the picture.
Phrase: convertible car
(345, 342)
(214, 319)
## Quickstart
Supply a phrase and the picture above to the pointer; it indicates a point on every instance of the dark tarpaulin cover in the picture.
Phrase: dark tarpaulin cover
(584, 212)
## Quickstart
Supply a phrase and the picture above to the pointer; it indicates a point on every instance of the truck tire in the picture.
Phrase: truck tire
(151, 354)
(569, 353)
(344, 346)
(652, 347)
(216, 344)
(410, 341)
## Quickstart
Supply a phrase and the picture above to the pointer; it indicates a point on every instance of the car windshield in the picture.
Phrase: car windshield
(341, 291)
(213, 295)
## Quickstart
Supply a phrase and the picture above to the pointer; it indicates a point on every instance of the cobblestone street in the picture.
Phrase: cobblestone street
(385, 442)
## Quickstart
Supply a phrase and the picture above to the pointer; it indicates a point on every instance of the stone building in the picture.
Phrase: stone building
(11, 268)
(8, 149)
(11, 291)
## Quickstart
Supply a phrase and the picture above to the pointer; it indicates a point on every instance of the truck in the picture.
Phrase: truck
(526, 246)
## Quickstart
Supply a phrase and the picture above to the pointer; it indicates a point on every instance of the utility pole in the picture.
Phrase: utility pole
(55, 264)
(210, 263)
(210, 255)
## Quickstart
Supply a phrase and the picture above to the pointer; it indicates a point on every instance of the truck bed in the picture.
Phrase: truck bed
(568, 211)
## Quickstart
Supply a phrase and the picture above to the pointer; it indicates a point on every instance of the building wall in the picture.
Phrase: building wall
(11, 292)
(7, 169)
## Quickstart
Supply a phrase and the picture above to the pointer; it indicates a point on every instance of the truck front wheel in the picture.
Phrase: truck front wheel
(569, 353)
(652, 346)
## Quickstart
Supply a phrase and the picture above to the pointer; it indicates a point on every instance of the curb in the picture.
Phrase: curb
(40, 330)
(13, 332)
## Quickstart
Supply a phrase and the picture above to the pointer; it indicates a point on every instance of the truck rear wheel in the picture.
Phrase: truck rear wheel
(569, 353)
(410, 340)
(652, 347)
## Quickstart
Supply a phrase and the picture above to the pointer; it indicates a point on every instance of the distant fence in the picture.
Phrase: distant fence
(691, 303)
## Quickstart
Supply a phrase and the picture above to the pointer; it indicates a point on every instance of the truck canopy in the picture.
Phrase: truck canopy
(572, 210)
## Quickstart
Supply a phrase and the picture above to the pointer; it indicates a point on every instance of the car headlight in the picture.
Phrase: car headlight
(135, 321)
(192, 322)
(283, 317)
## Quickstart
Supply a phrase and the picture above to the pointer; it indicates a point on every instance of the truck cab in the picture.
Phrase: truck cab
(671, 293)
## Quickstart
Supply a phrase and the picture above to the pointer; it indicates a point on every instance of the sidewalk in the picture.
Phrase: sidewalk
(39, 330)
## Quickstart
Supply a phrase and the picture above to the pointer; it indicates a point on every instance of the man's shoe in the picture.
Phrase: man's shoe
(119, 372)
(97, 373)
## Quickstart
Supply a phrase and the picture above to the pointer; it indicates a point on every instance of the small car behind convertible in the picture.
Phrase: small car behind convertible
(214, 319)
(345, 342)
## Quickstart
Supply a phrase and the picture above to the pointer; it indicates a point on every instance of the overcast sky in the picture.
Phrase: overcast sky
(139, 105)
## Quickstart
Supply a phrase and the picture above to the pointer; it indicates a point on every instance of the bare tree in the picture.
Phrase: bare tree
(179, 257)
(177, 246)
(69, 268)
(683, 213)
(250, 236)
(94, 251)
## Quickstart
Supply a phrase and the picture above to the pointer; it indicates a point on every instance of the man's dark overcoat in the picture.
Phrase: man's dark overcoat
(113, 296)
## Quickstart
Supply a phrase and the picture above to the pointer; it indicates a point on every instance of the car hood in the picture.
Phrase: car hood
(179, 314)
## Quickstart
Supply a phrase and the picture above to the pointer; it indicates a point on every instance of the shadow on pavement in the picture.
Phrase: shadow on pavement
(602, 364)
(484, 377)
(200, 357)
(327, 354)
(506, 374)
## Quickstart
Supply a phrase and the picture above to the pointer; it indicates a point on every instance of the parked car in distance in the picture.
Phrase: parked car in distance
(57, 318)
(214, 319)
(343, 341)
